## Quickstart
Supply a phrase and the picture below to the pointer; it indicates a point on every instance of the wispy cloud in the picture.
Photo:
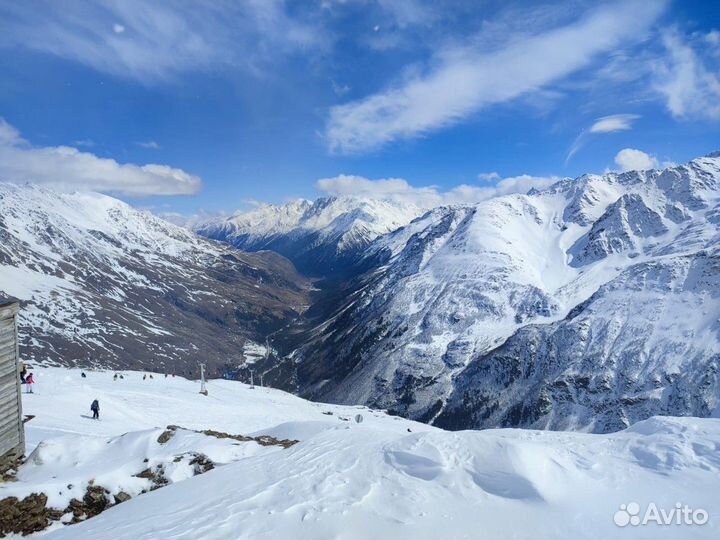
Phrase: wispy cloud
(462, 81)
(489, 176)
(613, 123)
(156, 41)
(603, 125)
(151, 145)
(688, 77)
(68, 168)
(89, 143)
(400, 190)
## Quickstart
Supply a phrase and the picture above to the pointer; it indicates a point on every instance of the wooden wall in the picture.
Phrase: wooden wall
(12, 440)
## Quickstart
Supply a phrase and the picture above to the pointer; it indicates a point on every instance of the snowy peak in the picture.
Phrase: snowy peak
(618, 231)
(321, 237)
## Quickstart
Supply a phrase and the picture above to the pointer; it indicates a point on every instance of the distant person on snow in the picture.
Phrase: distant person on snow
(29, 381)
(23, 372)
(82, 374)
(144, 376)
(95, 408)
(115, 377)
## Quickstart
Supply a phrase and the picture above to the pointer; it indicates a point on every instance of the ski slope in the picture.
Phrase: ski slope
(383, 478)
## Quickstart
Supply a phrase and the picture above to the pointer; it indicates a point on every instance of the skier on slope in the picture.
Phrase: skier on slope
(95, 408)
(29, 381)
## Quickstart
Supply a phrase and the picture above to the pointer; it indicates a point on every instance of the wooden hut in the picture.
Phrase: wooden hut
(12, 435)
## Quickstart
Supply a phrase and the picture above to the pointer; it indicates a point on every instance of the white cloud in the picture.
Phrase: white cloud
(630, 159)
(340, 89)
(603, 125)
(156, 41)
(408, 12)
(9, 136)
(399, 190)
(152, 145)
(524, 183)
(688, 81)
(613, 123)
(89, 143)
(713, 38)
(67, 168)
(464, 80)
(489, 177)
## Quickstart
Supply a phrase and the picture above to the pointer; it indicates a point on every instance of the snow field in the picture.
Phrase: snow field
(382, 478)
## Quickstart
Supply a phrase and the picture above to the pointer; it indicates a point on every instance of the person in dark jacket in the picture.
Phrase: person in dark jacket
(95, 408)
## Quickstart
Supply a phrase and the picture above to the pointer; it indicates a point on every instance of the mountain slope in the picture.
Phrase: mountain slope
(321, 237)
(590, 305)
(384, 478)
(105, 284)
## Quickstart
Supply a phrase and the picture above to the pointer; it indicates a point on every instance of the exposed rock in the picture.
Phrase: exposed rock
(26, 516)
(121, 497)
(166, 435)
(201, 464)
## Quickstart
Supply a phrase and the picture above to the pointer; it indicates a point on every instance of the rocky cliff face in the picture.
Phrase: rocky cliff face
(104, 284)
(590, 305)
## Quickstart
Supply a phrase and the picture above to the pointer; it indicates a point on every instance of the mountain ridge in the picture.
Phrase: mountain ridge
(458, 283)
(321, 237)
(107, 285)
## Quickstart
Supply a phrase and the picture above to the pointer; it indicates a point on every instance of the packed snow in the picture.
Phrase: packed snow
(384, 477)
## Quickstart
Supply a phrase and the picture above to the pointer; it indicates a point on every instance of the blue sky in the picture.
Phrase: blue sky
(187, 109)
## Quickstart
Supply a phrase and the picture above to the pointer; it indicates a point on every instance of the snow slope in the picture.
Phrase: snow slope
(376, 479)
(320, 237)
(589, 305)
(105, 284)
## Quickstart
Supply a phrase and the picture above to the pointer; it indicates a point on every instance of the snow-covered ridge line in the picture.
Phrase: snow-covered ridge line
(321, 237)
(589, 305)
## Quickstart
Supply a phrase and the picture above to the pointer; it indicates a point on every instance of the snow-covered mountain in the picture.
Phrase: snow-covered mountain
(105, 284)
(321, 237)
(590, 305)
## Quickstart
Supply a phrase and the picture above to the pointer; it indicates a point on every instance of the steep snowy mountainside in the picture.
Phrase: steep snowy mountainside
(629, 259)
(384, 478)
(320, 237)
(645, 343)
(105, 284)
